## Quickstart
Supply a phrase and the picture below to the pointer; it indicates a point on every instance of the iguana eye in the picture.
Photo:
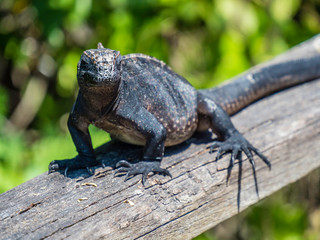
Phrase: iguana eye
(84, 65)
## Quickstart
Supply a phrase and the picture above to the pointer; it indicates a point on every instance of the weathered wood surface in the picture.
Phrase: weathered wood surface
(285, 126)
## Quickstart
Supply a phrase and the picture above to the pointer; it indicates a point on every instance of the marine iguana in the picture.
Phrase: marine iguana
(140, 100)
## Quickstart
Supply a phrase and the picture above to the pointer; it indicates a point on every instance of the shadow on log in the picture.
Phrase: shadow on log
(284, 126)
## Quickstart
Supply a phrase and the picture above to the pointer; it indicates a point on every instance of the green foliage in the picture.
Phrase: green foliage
(277, 220)
(283, 216)
(205, 236)
(205, 41)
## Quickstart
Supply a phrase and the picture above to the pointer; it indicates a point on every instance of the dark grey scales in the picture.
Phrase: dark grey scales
(138, 99)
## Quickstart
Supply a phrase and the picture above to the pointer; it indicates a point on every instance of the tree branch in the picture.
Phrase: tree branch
(284, 126)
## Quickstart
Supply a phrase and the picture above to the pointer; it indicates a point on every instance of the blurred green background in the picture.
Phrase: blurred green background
(205, 41)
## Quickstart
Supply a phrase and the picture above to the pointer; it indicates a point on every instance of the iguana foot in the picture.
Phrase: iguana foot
(72, 164)
(236, 144)
(142, 167)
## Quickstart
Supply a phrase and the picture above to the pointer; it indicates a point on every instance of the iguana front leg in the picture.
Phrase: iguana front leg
(230, 140)
(154, 134)
(78, 128)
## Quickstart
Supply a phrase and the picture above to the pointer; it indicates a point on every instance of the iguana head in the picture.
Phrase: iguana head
(99, 67)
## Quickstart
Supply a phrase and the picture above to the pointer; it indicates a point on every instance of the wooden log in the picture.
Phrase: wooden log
(284, 126)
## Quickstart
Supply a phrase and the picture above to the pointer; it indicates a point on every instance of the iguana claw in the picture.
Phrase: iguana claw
(142, 167)
(237, 144)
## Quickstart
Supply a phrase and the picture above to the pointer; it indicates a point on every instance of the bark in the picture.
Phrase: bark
(284, 126)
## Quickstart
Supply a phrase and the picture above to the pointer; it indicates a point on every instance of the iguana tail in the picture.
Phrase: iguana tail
(298, 65)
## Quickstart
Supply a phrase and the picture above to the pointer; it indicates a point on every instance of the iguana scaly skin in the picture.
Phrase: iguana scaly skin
(138, 99)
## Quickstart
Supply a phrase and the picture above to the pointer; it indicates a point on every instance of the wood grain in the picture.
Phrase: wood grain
(284, 126)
